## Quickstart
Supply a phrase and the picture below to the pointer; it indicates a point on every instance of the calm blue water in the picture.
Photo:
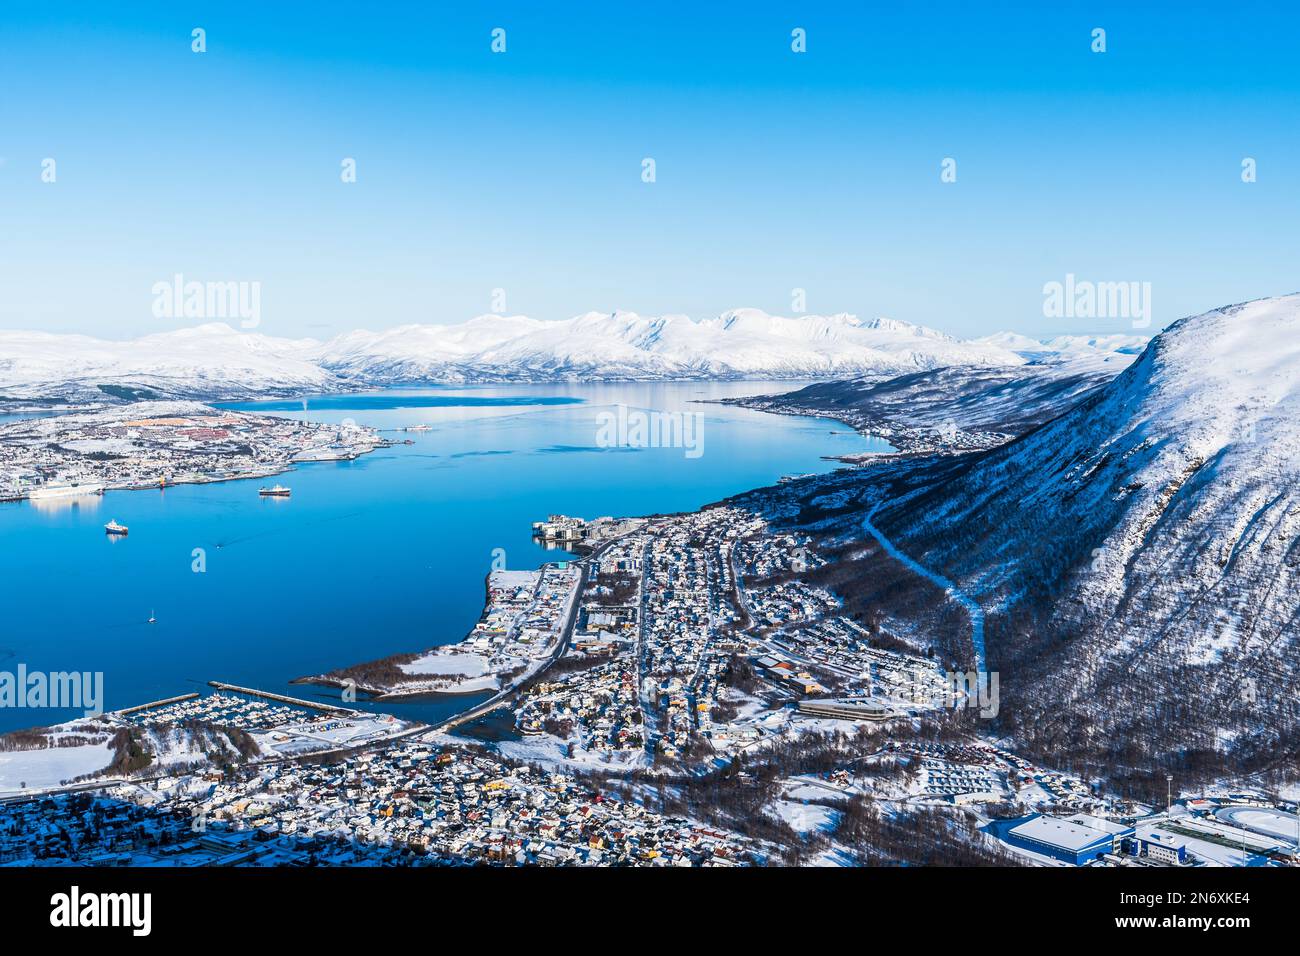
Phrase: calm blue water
(368, 558)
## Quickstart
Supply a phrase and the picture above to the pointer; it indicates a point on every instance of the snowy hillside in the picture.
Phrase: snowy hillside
(1141, 553)
(953, 407)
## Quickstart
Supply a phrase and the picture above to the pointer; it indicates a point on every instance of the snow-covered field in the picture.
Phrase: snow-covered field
(1261, 820)
(51, 767)
(464, 665)
(798, 808)
(289, 739)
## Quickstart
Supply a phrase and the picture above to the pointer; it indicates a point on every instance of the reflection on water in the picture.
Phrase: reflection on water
(51, 506)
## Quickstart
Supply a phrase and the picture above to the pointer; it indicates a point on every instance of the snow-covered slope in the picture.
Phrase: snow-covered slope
(411, 352)
(1141, 553)
(208, 361)
(953, 407)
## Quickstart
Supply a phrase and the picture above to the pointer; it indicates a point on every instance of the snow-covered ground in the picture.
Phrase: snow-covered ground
(1261, 820)
(207, 360)
(50, 767)
(465, 665)
(306, 737)
(806, 817)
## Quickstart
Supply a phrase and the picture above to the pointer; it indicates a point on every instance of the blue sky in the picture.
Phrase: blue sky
(522, 170)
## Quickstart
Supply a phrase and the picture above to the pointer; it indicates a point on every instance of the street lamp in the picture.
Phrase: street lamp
(1296, 857)
(1169, 793)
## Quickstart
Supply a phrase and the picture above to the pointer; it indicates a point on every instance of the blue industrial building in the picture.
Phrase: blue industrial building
(1075, 840)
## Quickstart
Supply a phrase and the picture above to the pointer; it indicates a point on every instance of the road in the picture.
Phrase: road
(973, 610)
(561, 645)
(649, 728)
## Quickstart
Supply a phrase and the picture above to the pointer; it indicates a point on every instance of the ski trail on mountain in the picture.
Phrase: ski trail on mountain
(971, 606)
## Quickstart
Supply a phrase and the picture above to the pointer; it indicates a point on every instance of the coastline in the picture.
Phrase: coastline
(172, 432)
(213, 480)
(374, 692)
(500, 681)
(906, 440)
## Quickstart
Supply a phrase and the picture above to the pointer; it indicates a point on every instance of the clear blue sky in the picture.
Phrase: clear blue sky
(775, 170)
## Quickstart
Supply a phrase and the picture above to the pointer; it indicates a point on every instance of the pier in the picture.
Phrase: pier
(280, 698)
(155, 703)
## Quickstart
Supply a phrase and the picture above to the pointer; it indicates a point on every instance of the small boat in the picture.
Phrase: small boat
(152, 619)
(114, 528)
(278, 491)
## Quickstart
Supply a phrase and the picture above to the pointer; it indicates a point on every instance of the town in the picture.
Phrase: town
(683, 692)
(696, 640)
(383, 797)
(154, 444)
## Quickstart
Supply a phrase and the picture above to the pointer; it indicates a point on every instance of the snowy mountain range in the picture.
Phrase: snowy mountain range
(216, 361)
(739, 344)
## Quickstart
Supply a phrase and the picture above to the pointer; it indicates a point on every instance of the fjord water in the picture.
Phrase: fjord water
(368, 558)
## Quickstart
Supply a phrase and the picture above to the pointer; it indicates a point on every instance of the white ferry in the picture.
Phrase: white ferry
(278, 491)
(66, 490)
(114, 528)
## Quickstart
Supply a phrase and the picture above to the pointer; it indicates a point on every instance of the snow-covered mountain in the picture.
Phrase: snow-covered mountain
(216, 361)
(1118, 343)
(208, 361)
(418, 352)
(1139, 556)
(743, 343)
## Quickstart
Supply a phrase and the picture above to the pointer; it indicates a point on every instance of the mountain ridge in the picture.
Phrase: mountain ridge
(214, 360)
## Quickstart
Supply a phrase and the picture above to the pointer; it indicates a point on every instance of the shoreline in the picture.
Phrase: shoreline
(378, 693)
(490, 681)
(904, 439)
(375, 694)
(202, 479)
(272, 445)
